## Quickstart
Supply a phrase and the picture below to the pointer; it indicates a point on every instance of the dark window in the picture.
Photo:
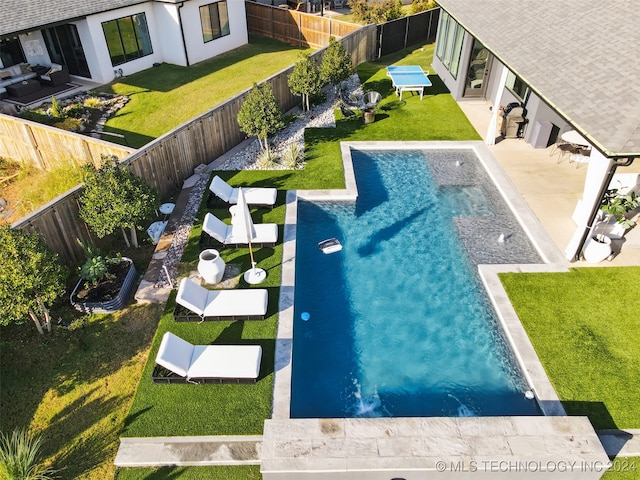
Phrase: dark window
(517, 86)
(127, 38)
(11, 52)
(449, 43)
(214, 19)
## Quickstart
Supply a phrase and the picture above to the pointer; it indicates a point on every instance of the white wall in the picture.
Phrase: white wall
(104, 71)
(196, 48)
(163, 21)
(168, 26)
(34, 48)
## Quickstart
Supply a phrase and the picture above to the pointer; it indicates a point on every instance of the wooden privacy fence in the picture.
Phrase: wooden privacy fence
(42, 146)
(294, 27)
(167, 161)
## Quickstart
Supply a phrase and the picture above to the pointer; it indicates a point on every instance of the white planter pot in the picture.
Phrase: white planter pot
(595, 251)
(211, 266)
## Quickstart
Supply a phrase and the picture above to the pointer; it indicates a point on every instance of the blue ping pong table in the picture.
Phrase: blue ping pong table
(409, 78)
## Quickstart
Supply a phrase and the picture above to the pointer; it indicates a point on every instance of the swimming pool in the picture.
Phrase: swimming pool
(399, 324)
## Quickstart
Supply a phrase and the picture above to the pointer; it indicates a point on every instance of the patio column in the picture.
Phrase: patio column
(600, 170)
(490, 139)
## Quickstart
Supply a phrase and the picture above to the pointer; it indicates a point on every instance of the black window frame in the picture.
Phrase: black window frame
(136, 31)
(212, 12)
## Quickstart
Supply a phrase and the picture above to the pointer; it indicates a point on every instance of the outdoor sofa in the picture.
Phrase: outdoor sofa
(256, 196)
(197, 303)
(14, 74)
(217, 233)
(179, 361)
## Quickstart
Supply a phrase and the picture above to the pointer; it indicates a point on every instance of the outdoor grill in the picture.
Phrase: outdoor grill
(513, 120)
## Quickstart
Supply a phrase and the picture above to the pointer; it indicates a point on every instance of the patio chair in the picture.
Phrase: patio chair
(56, 76)
(563, 149)
(217, 233)
(371, 100)
(256, 197)
(179, 361)
(197, 303)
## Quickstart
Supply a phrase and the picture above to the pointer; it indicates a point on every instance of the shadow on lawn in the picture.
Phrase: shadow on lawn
(94, 446)
(597, 412)
(56, 365)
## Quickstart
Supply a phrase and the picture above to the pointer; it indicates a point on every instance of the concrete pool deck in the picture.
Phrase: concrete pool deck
(412, 447)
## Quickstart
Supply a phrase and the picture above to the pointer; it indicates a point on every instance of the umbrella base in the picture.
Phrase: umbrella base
(255, 276)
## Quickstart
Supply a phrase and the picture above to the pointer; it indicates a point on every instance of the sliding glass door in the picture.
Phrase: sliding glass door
(64, 47)
(477, 71)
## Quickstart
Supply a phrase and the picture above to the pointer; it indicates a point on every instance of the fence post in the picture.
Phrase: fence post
(406, 31)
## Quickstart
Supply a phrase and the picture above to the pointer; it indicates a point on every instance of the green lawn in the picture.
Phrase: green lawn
(585, 328)
(251, 472)
(166, 96)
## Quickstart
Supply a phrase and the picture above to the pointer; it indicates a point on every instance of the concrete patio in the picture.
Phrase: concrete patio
(551, 189)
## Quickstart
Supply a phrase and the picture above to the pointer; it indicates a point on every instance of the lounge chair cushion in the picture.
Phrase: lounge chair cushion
(266, 233)
(215, 227)
(225, 361)
(239, 303)
(208, 361)
(175, 354)
(221, 303)
(192, 296)
(222, 189)
(253, 195)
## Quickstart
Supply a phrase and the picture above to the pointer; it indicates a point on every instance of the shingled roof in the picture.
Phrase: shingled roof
(24, 15)
(582, 58)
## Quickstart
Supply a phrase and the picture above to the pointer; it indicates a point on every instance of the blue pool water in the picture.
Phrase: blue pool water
(399, 324)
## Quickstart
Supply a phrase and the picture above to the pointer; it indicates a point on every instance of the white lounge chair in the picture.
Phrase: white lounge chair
(257, 196)
(185, 362)
(200, 303)
(220, 232)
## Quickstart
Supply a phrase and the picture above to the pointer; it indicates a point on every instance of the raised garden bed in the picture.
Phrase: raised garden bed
(110, 294)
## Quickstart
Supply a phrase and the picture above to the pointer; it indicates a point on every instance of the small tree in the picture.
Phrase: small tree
(113, 197)
(260, 114)
(376, 12)
(30, 278)
(305, 79)
(56, 108)
(418, 6)
(336, 64)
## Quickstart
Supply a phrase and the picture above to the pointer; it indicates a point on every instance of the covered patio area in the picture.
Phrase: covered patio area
(551, 189)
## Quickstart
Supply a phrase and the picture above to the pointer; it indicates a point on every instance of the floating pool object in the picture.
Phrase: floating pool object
(330, 245)
(529, 395)
(305, 316)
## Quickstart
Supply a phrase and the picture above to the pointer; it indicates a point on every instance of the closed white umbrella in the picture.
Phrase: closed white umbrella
(490, 139)
(242, 225)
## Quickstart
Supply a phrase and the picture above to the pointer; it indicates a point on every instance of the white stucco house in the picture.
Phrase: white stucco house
(573, 66)
(100, 40)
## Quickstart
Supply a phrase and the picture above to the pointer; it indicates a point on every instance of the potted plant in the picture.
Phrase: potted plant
(105, 282)
(614, 206)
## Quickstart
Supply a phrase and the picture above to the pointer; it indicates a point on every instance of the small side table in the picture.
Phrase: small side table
(167, 209)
